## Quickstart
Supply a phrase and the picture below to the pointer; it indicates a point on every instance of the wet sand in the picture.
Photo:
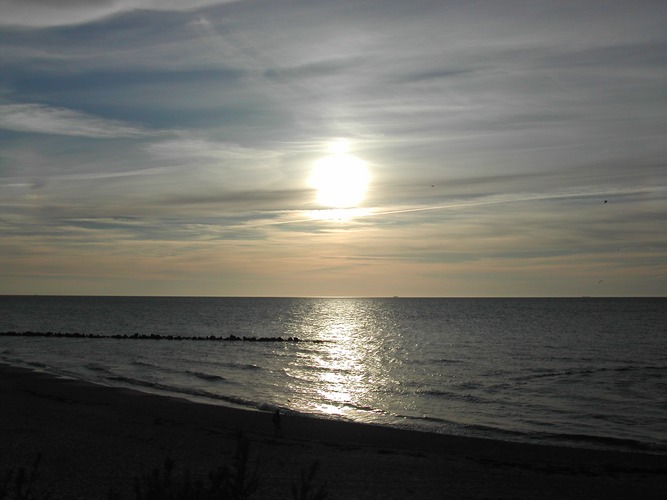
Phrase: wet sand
(93, 438)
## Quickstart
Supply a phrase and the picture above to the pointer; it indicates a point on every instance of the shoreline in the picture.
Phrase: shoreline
(584, 442)
(92, 438)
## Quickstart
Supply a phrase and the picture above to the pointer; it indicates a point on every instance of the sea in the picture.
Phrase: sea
(579, 372)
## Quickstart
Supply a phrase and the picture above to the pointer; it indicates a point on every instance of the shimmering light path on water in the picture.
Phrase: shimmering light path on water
(587, 372)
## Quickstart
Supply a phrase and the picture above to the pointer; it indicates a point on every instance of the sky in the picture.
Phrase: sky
(333, 148)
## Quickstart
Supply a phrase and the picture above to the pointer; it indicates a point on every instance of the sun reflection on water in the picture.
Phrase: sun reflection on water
(342, 372)
(341, 367)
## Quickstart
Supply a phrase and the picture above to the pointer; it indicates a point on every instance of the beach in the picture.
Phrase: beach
(93, 439)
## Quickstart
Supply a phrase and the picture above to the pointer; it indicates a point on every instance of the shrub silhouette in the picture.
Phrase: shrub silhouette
(19, 484)
(233, 482)
(308, 489)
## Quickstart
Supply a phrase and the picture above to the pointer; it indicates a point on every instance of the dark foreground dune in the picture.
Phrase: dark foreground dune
(94, 438)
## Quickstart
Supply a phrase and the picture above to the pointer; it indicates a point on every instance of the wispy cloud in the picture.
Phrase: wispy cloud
(197, 147)
(65, 12)
(41, 119)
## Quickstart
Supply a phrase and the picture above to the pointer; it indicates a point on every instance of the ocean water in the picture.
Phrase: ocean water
(585, 372)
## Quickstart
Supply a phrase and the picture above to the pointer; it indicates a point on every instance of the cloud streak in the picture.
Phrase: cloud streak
(38, 13)
(41, 119)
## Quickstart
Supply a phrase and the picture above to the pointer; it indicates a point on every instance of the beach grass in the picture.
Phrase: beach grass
(22, 483)
(226, 482)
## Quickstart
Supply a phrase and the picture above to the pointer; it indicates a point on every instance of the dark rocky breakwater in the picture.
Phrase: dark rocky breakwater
(137, 336)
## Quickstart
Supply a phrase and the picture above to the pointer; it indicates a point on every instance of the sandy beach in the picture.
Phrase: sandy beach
(93, 438)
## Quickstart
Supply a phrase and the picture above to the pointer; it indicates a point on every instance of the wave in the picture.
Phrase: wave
(590, 371)
(242, 366)
(582, 440)
(452, 396)
(137, 382)
(197, 373)
(138, 362)
(155, 366)
(426, 418)
(265, 406)
(8, 357)
(194, 373)
(205, 376)
(366, 408)
(36, 364)
(185, 391)
(359, 407)
(601, 441)
(95, 367)
(447, 361)
(314, 369)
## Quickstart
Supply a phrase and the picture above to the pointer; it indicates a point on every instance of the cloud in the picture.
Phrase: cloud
(197, 147)
(40, 119)
(41, 13)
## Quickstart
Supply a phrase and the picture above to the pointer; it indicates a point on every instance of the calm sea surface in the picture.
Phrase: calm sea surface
(581, 372)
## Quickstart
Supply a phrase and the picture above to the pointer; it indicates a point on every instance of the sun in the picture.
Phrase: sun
(340, 179)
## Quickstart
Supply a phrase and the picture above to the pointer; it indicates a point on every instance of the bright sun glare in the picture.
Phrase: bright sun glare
(340, 178)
